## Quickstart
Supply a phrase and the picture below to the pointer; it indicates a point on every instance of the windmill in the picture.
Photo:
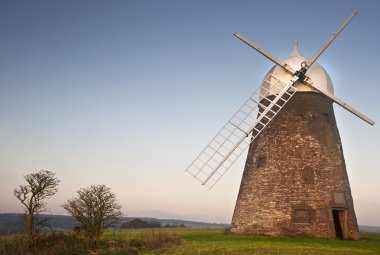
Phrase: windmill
(295, 180)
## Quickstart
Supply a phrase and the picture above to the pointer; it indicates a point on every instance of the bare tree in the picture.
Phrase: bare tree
(95, 209)
(39, 186)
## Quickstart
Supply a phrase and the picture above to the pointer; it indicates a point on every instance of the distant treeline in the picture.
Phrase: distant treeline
(12, 223)
(139, 223)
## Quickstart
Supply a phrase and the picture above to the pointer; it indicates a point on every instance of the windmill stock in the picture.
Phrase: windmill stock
(295, 180)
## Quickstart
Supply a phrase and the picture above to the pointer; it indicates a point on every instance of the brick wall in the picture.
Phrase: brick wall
(295, 175)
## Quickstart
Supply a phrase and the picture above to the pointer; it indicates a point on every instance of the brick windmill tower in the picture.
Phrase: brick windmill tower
(295, 180)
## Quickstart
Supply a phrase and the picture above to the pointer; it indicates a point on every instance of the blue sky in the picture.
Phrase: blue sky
(127, 93)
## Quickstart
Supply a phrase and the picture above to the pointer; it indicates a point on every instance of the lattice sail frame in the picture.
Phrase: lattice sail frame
(241, 130)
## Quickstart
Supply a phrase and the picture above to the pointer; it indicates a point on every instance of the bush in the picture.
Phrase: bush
(95, 209)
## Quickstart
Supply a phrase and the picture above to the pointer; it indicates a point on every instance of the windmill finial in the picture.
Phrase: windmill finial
(295, 51)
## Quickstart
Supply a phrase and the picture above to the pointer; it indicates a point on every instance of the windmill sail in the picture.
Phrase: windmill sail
(306, 80)
(244, 126)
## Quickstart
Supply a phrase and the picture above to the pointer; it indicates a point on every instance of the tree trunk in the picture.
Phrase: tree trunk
(30, 226)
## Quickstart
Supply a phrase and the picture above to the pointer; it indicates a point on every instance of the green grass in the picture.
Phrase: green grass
(215, 241)
(187, 241)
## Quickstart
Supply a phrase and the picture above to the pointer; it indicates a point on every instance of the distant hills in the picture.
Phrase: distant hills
(369, 229)
(12, 223)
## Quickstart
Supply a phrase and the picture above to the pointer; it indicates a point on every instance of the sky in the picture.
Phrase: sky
(127, 93)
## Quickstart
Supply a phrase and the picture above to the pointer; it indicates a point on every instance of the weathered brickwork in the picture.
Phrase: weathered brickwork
(295, 176)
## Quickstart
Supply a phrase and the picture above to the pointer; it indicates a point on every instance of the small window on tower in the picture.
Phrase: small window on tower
(326, 116)
(260, 161)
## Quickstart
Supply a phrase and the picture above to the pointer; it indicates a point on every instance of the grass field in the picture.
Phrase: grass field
(185, 241)
(215, 241)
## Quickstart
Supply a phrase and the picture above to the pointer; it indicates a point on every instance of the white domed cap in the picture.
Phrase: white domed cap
(316, 73)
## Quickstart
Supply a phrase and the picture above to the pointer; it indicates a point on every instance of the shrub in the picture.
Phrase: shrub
(95, 209)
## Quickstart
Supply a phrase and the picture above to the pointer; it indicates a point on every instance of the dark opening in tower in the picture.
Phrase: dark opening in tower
(340, 223)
